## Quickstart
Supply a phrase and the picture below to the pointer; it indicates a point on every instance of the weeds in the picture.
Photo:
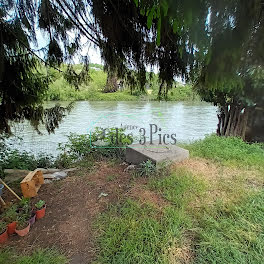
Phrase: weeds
(78, 150)
(100, 143)
(15, 159)
(146, 169)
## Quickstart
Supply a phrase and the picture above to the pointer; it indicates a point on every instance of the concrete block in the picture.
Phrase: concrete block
(137, 153)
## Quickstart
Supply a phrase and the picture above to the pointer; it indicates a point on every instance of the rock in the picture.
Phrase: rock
(60, 175)
(130, 167)
(100, 143)
(47, 181)
(70, 169)
(102, 195)
(48, 176)
(43, 170)
(52, 170)
(12, 175)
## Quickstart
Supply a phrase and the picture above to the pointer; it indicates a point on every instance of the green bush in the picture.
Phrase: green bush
(15, 159)
(60, 90)
(79, 146)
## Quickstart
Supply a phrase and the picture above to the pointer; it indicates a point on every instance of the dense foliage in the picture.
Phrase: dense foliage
(213, 44)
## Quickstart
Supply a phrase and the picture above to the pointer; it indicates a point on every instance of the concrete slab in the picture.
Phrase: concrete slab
(137, 153)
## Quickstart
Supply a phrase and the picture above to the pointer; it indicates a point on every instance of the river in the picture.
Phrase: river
(188, 120)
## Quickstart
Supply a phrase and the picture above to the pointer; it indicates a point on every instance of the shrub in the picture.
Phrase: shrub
(17, 159)
(98, 143)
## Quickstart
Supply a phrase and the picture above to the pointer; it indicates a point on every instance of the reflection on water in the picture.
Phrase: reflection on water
(189, 120)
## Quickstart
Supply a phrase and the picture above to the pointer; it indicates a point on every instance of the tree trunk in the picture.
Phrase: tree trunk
(111, 83)
(233, 121)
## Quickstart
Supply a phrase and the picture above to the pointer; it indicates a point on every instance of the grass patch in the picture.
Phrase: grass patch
(180, 188)
(42, 256)
(133, 233)
(111, 177)
(179, 93)
(214, 219)
(230, 151)
(233, 234)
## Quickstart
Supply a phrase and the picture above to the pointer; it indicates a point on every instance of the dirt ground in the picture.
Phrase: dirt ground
(73, 204)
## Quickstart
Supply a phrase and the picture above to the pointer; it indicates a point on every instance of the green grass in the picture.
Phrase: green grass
(228, 151)
(61, 91)
(38, 257)
(234, 234)
(111, 177)
(223, 230)
(179, 188)
(134, 233)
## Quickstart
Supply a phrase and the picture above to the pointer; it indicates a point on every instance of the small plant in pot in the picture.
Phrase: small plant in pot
(10, 217)
(40, 209)
(3, 232)
(24, 206)
(23, 225)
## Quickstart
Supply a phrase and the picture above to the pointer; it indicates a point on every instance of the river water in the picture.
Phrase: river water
(188, 120)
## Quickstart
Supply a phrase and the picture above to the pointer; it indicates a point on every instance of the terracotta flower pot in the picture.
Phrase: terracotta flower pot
(11, 228)
(3, 237)
(41, 213)
(24, 231)
(32, 220)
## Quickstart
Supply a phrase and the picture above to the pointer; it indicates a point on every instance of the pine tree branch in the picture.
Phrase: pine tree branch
(30, 50)
(78, 24)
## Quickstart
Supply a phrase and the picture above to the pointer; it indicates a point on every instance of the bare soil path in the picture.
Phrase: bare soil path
(72, 207)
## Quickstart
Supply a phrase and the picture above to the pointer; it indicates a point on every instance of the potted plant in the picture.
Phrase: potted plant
(40, 209)
(3, 232)
(23, 225)
(10, 217)
(24, 205)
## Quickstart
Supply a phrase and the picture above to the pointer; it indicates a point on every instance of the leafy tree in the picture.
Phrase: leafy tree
(233, 76)
(203, 41)
(111, 83)
(22, 84)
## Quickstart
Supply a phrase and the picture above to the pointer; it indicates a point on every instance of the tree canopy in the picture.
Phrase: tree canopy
(214, 44)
